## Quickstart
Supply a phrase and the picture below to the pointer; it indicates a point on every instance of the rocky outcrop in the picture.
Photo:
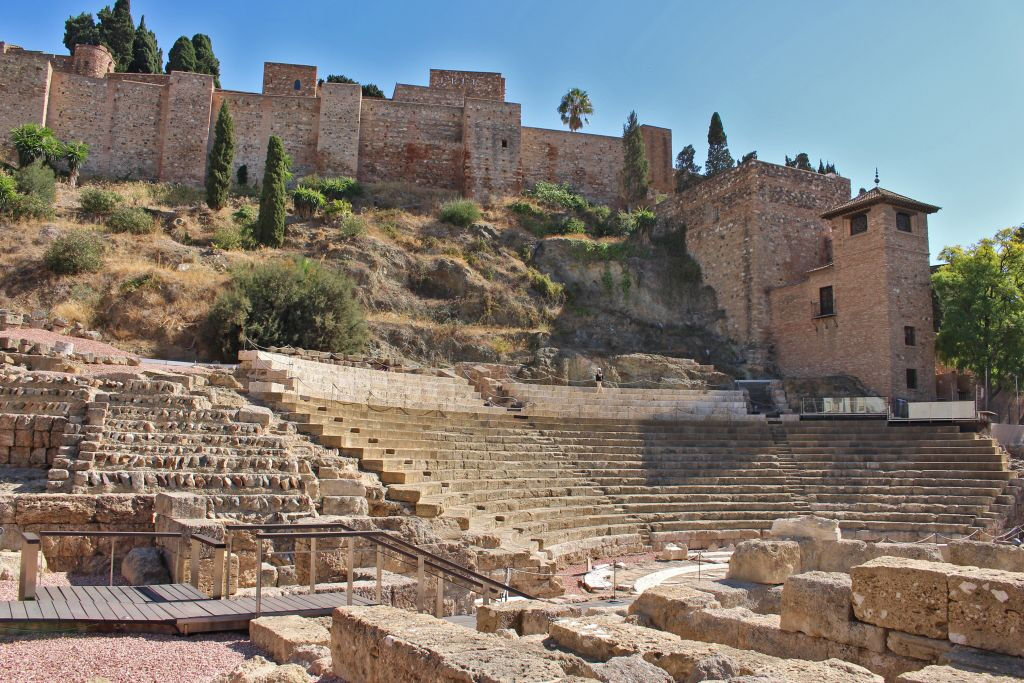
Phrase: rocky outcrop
(145, 567)
(765, 561)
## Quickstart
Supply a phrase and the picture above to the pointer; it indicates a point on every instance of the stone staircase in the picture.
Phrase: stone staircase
(787, 463)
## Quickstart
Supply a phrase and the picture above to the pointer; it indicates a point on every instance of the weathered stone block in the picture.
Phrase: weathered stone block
(765, 561)
(342, 487)
(819, 604)
(986, 609)
(666, 607)
(917, 647)
(525, 617)
(281, 636)
(950, 674)
(988, 555)
(902, 594)
(806, 526)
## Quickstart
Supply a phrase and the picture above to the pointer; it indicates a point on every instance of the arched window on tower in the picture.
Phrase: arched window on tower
(297, 85)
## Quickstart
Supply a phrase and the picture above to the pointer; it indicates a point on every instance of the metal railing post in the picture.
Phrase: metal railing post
(217, 586)
(193, 565)
(179, 564)
(420, 582)
(113, 545)
(259, 574)
(227, 560)
(312, 566)
(439, 598)
(29, 574)
(350, 589)
(380, 572)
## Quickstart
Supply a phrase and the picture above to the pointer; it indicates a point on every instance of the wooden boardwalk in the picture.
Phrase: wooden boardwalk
(173, 608)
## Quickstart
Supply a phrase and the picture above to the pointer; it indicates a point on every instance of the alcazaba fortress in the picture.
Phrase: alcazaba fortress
(812, 282)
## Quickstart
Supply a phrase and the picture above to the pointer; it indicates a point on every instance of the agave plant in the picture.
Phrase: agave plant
(32, 141)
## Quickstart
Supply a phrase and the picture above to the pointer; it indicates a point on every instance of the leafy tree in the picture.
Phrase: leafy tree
(206, 61)
(636, 171)
(288, 303)
(687, 172)
(81, 30)
(803, 162)
(182, 56)
(222, 155)
(269, 229)
(337, 78)
(980, 292)
(74, 154)
(117, 32)
(371, 90)
(719, 158)
(146, 56)
(575, 108)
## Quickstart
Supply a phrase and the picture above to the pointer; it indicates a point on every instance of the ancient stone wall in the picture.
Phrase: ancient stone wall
(281, 79)
(135, 124)
(658, 146)
(294, 120)
(417, 143)
(338, 140)
(24, 92)
(492, 140)
(250, 138)
(186, 122)
(590, 163)
(92, 60)
(480, 84)
(79, 111)
(425, 95)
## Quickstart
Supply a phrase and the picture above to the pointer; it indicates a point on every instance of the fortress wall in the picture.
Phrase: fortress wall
(152, 79)
(337, 146)
(250, 139)
(79, 110)
(24, 91)
(590, 163)
(296, 121)
(185, 121)
(410, 142)
(480, 84)
(425, 95)
(491, 132)
(279, 79)
(135, 110)
(658, 146)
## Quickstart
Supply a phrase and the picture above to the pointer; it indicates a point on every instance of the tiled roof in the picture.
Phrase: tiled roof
(879, 195)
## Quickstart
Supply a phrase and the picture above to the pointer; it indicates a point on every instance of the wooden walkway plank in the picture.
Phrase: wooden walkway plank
(5, 611)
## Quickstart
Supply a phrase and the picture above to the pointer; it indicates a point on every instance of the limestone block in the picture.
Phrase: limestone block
(316, 659)
(602, 638)
(281, 636)
(761, 598)
(673, 552)
(765, 561)
(181, 505)
(842, 555)
(806, 526)
(819, 604)
(53, 509)
(634, 668)
(342, 487)
(988, 555)
(973, 659)
(345, 505)
(664, 606)
(525, 617)
(259, 670)
(902, 594)
(255, 415)
(949, 674)
(986, 609)
(145, 566)
(917, 647)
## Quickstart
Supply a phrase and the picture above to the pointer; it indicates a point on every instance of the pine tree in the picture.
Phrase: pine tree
(831, 168)
(117, 31)
(636, 171)
(145, 53)
(182, 56)
(338, 78)
(371, 90)
(80, 30)
(790, 162)
(206, 62)
(821, 167)
(269, 228)
(222, 155)
(803, 162)
(687, 172)
(719, 158)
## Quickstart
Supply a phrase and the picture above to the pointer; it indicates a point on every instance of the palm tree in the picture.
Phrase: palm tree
(575, 108)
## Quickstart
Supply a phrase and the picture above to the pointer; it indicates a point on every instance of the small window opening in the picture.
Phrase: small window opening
(910, 336)
(504, 144)
(826, 302)
(911, 378)
(859, 224)
(903, 222)
(297, 85)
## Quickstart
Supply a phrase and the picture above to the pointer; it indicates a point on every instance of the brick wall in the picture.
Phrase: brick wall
(410, 142)
(92, 60)
(590, 163)
(79, 110)
(658, 146)
(480, 84)
(185, 127)
(492, 140)
(338, 140)
(250, 136)
(135, 125)
(24, 90)
(295, 121)
(279, 79)
(425, 95)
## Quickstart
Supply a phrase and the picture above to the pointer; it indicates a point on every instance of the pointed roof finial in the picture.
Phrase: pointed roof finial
(876, 176)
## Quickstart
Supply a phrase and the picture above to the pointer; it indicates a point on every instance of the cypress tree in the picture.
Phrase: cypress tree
(719, 158)
(687, 172)
(182, 56)
(636, 171)
(206, 61)
(803, 162)
(218, 172)
(821, 167)
(145, 54)
(117, 31)
(269, 229)
(80, 30)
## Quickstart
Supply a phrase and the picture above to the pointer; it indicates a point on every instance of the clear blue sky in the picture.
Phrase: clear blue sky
(930, 91)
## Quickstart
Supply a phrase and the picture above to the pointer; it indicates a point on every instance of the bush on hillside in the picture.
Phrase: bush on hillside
(341, 187)
(131, 219)
(8, 193)
(546, 287)
(229, 238)
(37, 180)
(245, 215)
(288, 303)
(97, 202)
(308, 202)
(352, 226)
(557, 196)
(74, 252)
(461, 212)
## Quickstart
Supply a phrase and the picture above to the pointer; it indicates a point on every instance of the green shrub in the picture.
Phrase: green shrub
(8, 193)
(546, 287)
(308, 202)
(94, 201)
(33, 143)
(31, 206)
(337, 210)
(245, 215)
(175, 194)
(573, 226)
(352, 226)
(558, 196)
(131, 219)
(521, 208)
(288, 302)
(228, 238)
(341, 187)
(76, 251)
(37, 180)
(460, 212)
(587, 251)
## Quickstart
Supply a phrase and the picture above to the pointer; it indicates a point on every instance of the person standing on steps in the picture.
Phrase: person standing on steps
(599, 378)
